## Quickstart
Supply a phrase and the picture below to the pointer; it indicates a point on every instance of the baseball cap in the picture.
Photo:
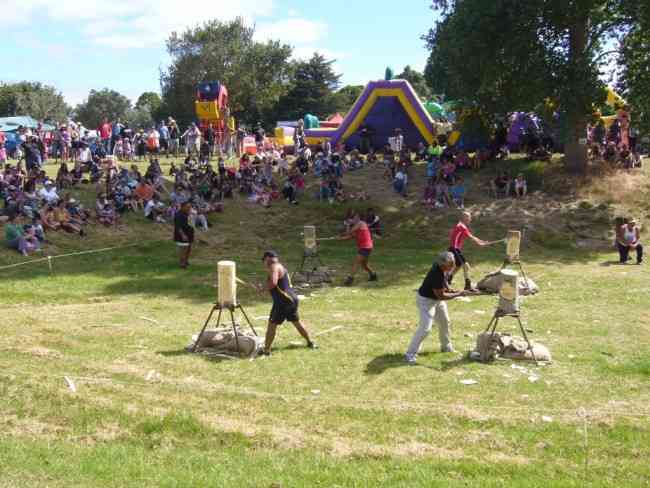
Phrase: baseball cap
(270, 254)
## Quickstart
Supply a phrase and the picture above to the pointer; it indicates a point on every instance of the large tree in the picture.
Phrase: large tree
(346, 96)
(634, 73)
(40, 101)
(417, 81)
(508, 55)
(102, 104)
(312, 90)
(255, 73)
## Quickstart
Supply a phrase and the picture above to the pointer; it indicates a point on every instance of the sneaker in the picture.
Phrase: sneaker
(264, 352)
(348, 281)
(312, 345)
(372, 277)
(410, 359)
(448, 349)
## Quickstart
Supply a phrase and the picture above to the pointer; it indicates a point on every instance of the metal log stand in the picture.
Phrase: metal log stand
(309, 258)
(231, 309)
(494, 322)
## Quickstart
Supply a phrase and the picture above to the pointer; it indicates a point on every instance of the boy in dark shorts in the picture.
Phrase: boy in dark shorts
(285, 301)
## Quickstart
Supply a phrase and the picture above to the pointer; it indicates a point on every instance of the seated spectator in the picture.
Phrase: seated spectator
(39, 230)
(501, 185)
(457, 192)
(144, 192)
(154, 209)
(48, 193)
(521, 187)
(373, 221)
(198, 219)
(106, 214)
(17, 238)
(289, 192)
(62, 217)
(47, 218)
(628, 239)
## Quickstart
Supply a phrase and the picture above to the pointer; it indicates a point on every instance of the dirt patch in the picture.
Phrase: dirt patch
(14, 426)
(42, 352)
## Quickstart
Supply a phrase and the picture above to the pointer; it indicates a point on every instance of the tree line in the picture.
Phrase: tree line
(509, 55)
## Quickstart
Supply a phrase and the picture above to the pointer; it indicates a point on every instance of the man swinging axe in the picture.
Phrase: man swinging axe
(285, 301)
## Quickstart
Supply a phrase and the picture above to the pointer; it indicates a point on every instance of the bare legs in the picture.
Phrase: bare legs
(272, 329)
(360, 262)
(184, 255)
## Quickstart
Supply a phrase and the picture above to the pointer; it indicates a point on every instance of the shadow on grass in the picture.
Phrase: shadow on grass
(455, 363)
(213, 358)
(384, 362)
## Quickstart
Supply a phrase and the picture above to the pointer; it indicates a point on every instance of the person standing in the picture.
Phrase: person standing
(183, 234)
(105, 131)
(628, 240)
(163, 131)
(174, 135)
(285, 301)
(360, 231)
(457, 237)
(431, 300)
(116, 134)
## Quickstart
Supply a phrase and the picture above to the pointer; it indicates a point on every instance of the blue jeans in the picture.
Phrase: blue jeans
(624, 253)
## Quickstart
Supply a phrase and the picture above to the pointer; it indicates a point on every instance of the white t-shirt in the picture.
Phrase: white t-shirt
(85, 155)
(50, 196)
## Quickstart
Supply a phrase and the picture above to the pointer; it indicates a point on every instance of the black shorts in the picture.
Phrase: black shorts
(282, 311)
(365, 252)
(164, 145)
(458, 256)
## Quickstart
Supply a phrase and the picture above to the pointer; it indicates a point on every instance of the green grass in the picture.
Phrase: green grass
(107, 320)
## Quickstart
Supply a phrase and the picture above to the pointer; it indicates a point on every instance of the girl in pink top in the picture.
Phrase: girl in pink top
(361, 233)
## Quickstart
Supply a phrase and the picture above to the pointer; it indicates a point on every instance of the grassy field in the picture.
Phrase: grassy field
(351, 414)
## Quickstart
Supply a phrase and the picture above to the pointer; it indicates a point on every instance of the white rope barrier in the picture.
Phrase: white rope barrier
(80, 253)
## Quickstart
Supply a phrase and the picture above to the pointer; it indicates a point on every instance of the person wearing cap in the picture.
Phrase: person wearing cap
(431, 300)
(285, 301)
(628, 239)
(48, 193)
(183, 234)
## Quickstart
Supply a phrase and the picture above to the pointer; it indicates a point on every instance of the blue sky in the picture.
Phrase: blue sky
(78, 45)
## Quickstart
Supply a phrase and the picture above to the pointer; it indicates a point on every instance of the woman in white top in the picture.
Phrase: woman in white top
(628, 240)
